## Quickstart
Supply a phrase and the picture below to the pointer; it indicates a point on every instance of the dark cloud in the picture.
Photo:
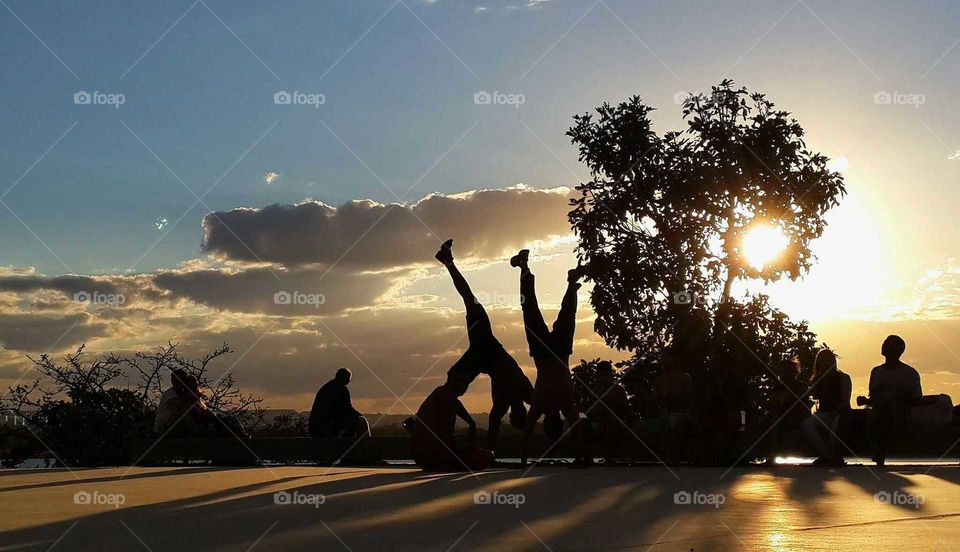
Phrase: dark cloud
(369, 235)
(289, 292)
(39, 332)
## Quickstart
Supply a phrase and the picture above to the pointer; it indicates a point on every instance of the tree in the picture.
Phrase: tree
(79, 411)
(661, 226)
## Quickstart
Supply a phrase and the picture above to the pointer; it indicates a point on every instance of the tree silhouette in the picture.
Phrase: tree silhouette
(662, 221)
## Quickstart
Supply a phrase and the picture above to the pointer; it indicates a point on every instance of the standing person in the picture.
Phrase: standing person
(673, 399)
(333, 414)
(894, 390)
(609, 407)
(509, 386)
(551, 350)
(832, 389)
(432, 431)
(787, 412)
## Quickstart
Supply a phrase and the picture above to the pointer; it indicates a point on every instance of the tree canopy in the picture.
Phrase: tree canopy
(662, 222)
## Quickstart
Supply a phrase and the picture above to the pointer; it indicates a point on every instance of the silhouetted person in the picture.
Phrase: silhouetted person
(551, 350)
(609, 408)
(722, 403)
(894, 390)
(831, 388)
(333, 414)
(509, 386)
(673, 400)
(173, 404)
(787, 412)
(432, 431)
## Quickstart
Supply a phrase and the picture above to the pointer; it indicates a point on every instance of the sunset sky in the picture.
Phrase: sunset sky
(187, 117)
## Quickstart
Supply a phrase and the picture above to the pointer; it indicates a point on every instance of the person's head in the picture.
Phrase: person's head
(789, 369)
(177, 379)
(604, 372)
(824, 364)
(518, 415)
(343, 376)
(893, 347)
(553, 425)
(192, 386)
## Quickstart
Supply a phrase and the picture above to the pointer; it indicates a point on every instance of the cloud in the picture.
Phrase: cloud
(366, 235)
(271, 177)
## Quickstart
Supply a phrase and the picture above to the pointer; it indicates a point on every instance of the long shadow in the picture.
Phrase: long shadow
(162, 472)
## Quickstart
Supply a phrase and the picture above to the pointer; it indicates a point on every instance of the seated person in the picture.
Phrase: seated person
(787, 412)
(894, 390)
(333, 414)
(831, 388)
(173, 406)
(432, 431)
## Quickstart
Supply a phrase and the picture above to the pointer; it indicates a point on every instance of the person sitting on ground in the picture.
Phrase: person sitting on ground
(791, 406)
(332, 414)
(509, 386)
(672, 398)
(894, 390)
(551, 350)
(433, 427)
(609, 406)
(831, 388)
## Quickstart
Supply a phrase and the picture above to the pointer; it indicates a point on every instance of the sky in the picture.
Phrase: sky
(125, 124)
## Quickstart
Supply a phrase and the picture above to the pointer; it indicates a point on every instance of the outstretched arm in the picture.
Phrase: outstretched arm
(471, 425)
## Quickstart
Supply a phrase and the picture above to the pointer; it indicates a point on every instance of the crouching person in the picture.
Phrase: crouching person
(432, 431)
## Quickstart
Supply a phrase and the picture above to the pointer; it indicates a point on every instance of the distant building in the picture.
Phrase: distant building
(12, 420)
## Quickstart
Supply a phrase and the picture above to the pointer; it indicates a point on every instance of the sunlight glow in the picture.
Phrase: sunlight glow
(763, 244)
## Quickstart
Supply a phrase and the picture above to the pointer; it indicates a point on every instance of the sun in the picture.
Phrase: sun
(763, 244)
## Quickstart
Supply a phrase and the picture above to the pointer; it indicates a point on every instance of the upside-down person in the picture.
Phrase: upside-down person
(551, 349)
(509, 386)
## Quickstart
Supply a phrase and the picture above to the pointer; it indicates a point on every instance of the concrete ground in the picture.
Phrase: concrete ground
(549, 508)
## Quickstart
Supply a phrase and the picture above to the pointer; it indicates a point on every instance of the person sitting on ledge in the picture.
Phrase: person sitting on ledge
(894, 390)
(433, 427)
(333, 414)
(832, 389)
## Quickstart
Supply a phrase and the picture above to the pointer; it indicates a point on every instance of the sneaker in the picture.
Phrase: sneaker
(520, 258)
(445, 255)
(574, 275)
